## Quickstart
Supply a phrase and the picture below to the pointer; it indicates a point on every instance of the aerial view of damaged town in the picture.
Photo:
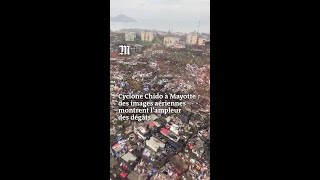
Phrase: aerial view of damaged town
(160, 61)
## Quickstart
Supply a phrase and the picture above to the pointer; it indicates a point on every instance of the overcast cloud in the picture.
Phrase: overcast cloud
(164, 11)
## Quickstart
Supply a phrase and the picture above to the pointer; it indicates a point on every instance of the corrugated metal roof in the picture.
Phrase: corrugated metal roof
(164, 131)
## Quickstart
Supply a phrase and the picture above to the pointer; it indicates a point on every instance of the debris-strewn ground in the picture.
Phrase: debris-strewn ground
(175, 146)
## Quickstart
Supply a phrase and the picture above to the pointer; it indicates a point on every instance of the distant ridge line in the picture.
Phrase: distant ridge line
(121, 18)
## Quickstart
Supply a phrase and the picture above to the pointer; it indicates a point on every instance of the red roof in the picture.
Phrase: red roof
(123, 174)
(151, 124)
(164, 131)
(115, 146)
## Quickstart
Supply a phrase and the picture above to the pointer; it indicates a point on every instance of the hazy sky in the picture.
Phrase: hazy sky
(164, 11)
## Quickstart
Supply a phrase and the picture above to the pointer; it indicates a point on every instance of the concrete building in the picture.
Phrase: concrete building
(130, 36)
(154, 144)
(192, 39)
(129, 160)
(167, 133)
(170, 41)
(129, 157)
(147, 36)
(141, 132)
(136, 48)
(180, 45)
(201, 41)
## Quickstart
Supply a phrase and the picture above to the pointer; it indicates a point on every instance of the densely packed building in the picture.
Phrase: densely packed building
(167, 146)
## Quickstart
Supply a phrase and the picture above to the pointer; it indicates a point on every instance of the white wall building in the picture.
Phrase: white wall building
(130, 36)
(201, 41)
(170, 41)
(154, 144)
(192, 39)
(147, 36)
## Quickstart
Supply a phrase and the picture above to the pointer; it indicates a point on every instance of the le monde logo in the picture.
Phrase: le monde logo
(124, 50)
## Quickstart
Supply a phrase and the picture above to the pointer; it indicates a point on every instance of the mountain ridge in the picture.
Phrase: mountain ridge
(121, 18)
